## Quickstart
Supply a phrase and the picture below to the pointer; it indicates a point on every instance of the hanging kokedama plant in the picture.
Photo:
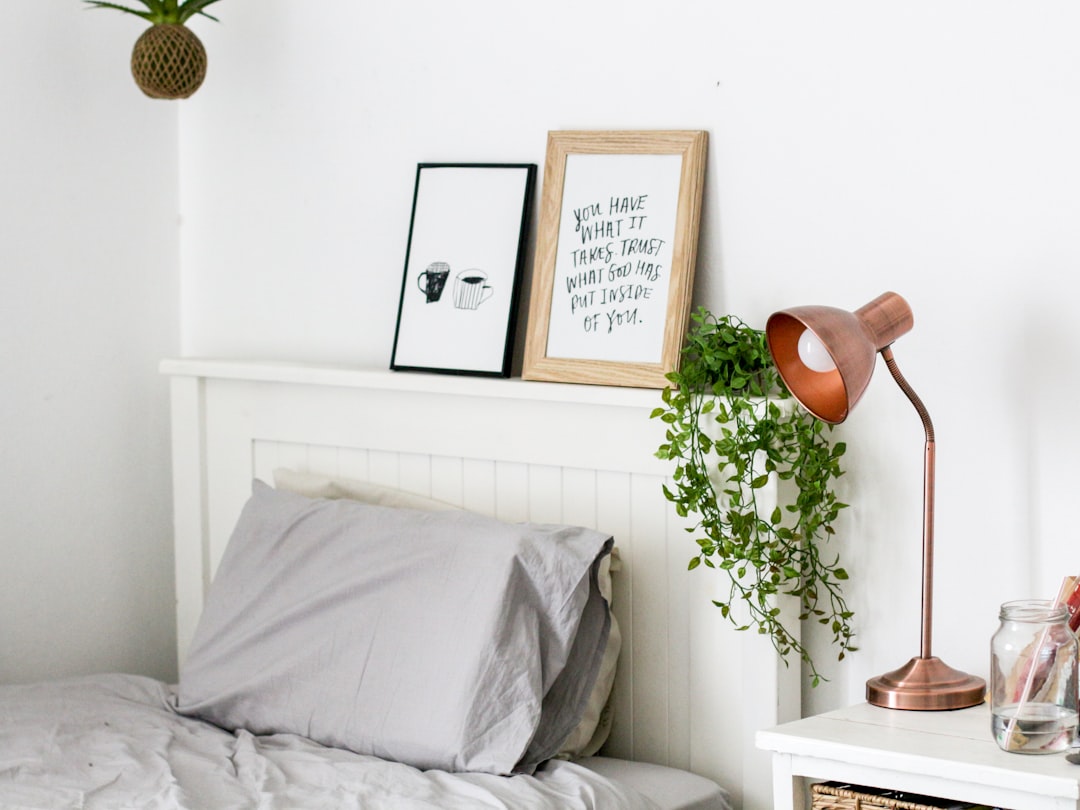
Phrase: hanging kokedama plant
(168, 61)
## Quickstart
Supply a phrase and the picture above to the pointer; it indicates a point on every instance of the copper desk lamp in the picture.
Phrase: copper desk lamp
(825, 357)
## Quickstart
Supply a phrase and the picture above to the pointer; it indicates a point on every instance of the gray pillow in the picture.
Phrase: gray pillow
(428, 638)
(593, 728)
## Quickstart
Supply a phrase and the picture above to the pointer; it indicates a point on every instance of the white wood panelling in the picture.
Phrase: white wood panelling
(690, 692)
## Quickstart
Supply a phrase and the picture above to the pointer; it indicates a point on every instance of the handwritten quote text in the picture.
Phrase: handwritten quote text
(614, 267)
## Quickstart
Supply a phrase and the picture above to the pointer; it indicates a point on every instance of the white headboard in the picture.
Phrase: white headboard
(690, 691)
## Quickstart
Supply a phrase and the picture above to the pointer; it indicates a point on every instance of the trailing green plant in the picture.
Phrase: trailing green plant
(729, 433)
(162, 12)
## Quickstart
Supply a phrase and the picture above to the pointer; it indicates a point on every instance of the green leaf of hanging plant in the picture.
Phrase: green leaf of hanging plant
(146, 15)
(193, 7)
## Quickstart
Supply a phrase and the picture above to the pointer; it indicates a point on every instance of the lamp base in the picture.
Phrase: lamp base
(925, 684)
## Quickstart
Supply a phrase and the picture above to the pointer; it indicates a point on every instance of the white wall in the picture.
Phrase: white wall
(89, 296)
(927, 147)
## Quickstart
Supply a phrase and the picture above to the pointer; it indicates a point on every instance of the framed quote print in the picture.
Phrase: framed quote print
(615, 257)
(463, 268)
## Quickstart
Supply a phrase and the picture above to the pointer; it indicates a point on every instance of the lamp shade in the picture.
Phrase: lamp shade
(852, 341)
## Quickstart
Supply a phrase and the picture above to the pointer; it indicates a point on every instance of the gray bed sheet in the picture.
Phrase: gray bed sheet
(668, 788)
(116, 741)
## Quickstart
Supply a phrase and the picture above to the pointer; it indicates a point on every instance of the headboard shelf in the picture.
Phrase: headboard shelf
(690, 692)
(371, 378)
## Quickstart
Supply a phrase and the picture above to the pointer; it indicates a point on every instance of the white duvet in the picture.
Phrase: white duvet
(114, 741)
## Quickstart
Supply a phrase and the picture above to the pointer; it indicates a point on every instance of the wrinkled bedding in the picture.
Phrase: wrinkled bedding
(116, 741)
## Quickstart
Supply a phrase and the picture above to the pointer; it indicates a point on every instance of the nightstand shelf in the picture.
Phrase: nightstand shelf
(948, 754)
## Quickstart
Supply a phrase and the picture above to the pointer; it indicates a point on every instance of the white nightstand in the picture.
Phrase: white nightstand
(947, 754)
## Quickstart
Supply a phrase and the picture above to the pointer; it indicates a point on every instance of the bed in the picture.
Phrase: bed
(615, 683)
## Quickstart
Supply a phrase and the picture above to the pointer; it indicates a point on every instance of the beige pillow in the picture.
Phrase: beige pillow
(595, 726)
(311, 485)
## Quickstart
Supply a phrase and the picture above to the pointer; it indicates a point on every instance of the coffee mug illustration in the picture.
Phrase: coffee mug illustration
(471, 289)
(432, 281)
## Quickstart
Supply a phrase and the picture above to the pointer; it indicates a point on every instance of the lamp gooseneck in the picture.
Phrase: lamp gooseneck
(929, 487)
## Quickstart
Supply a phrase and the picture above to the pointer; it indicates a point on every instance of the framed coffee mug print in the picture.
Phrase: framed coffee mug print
(463, 268)
(615, 256)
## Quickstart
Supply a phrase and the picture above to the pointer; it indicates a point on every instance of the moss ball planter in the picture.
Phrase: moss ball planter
(168, 61)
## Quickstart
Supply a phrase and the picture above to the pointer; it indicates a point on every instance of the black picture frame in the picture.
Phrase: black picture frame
(463, 268)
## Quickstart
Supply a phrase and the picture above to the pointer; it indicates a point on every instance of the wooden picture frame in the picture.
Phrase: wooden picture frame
(615, 256)
(463, 268)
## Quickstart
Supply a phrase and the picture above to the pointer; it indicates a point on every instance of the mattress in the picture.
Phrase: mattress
(111, 741)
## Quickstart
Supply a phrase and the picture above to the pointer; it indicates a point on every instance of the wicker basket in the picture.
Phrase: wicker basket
(840, 796)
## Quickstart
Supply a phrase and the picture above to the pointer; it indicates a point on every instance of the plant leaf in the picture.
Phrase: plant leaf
(193, 7)
(146, 15)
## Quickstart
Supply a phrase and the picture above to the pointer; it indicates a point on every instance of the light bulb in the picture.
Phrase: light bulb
(813, 353)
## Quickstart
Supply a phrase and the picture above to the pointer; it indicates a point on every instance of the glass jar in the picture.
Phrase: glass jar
(1033, 674)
